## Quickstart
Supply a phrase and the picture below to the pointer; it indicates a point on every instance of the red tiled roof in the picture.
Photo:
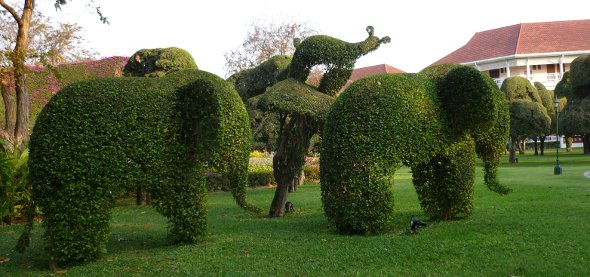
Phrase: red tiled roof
(368, 71)
(524, 38)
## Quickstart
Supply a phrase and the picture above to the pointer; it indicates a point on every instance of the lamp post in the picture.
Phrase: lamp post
(557, 169)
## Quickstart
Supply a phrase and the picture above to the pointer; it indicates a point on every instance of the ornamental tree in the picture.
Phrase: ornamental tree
(574, 119)
(301, 108)
(528, 116)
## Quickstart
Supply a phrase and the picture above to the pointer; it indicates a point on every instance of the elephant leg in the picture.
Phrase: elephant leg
(444, 184)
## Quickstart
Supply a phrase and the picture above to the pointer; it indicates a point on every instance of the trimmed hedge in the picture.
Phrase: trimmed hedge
(337, 55)
(98, 136)
(381, 122)
(157, 62)
(580, 76)
(254, 81)
(519, 88)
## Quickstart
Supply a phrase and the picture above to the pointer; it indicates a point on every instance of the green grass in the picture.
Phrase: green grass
(541, 229)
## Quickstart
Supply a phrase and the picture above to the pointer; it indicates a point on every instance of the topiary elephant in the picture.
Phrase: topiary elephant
(435, 122)
(337, 55)
(97, 138)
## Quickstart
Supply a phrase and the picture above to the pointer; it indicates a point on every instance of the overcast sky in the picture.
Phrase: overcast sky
(421, 31)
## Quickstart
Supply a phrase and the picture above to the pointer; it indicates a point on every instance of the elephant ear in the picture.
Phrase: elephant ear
(467, 97)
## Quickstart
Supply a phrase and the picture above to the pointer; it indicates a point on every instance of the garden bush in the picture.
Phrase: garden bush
(158, 62)
(426, 121)
(97, 136)
(337, 55)
(580, 76)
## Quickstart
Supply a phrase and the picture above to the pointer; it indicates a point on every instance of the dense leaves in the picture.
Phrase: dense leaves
(580, 76)
(254, 81)
(381, 122)
(157, 62)
(337, 55)
(97, 137)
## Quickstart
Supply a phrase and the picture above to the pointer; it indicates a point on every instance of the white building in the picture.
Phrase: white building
(537, 51)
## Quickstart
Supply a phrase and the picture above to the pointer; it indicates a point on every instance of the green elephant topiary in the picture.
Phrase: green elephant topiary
(416, 120)
(97, 136)
(337, 55)
(157, 62)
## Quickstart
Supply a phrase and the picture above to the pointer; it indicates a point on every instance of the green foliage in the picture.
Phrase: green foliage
(99, 136)
(519, 88)
(577, 118)
(15, 191)
(445, 183)
(437, 73)
(528, 119)
(580, 76)
(490, 145)
(464, 93)
(260, 172)
(292, 97)
(381, 122)
(254, 81)
(157, 62)
(368, 134)
(547, 98)
(564, 87)
(338, 56)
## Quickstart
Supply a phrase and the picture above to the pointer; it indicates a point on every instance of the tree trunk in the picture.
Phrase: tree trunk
(569, 141)
(289, 159)
(586, 141)
(21, 131)
(512, 145)
(8, 131)
(297, 181)
(536, 147)
(521, 146)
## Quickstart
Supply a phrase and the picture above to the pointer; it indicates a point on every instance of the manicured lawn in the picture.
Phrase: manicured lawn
(541, 229)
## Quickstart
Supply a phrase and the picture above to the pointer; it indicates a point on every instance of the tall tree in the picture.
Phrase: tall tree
(547, 97)
(264, 41)
(528, 116)
(22, 19)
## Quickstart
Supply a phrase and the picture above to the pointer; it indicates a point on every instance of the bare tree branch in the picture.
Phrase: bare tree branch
(12, 11)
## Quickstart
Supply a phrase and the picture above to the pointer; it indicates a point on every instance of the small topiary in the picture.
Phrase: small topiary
(98, 136)
(517, 87)
(157, 62)
(254, 81)
(337, 55)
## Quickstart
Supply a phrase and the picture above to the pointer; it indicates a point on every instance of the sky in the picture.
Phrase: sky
(421, 31)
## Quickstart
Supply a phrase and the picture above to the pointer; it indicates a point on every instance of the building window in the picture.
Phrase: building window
(502, 70)
(537, 67)
(495, 73)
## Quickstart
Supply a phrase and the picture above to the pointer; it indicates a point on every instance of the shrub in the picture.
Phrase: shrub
(157, 62)
(97, 136)
(254, 81)
(15, 189)
(380, 122)
(580, 76)
(337, 55)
